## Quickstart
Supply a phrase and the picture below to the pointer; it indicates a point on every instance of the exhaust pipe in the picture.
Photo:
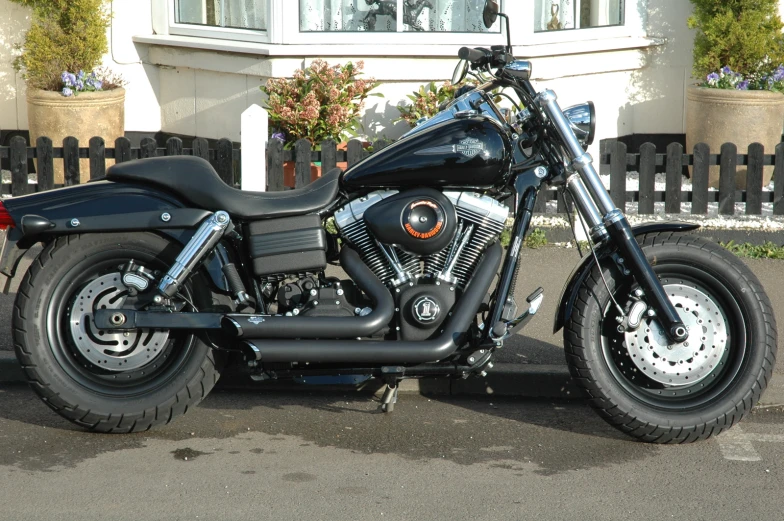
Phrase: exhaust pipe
(267, 326)
(381, 352)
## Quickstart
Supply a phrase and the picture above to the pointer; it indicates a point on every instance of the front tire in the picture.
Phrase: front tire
(168, 372)
(702, 389)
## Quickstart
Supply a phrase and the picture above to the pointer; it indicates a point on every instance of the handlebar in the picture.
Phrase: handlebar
(475, 56)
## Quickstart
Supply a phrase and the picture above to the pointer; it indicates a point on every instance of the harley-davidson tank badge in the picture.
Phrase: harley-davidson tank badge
(470, 147)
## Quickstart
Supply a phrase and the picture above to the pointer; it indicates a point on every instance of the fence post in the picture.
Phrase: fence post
(201, 148)
(354, 152)
(672, 198)
(254, 129)
(19, 180)
(699, 179)
(225, 162)
(729, 162)
(275, 179)
(301, 163)
(149, 148)
(618, 174)
(97, 157)
(122, 150)
(778, 181)
(329, 153)
(647, 178)
(44, 152)
(71, 161)
(754, 179)
(174, 146)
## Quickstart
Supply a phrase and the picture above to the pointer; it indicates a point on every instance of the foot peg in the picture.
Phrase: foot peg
(389, 399)
(503, 330)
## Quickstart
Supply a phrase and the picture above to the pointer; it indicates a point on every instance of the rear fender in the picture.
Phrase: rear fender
(99, 207)
(569, 293)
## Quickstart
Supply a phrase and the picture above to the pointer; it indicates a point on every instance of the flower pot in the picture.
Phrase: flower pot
(290, 176)
(84, 116)
(718, 116)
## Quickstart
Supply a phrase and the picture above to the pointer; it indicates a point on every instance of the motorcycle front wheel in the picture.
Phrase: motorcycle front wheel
(107, 381)
(660, 392)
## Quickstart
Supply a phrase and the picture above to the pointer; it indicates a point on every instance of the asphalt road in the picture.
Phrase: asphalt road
(318, 455)
(333, 456)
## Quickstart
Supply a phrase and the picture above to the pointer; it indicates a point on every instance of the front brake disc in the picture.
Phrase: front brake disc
(691, 361)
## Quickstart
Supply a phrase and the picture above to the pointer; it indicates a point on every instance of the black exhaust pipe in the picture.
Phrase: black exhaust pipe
(380, 352)
(266, 326)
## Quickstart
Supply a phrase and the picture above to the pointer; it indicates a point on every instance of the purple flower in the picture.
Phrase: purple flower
(67, 92)
(71, 78)
(726, 69)
(97, 84)
(66, 79)
(743, 85)
(79, 84)
(778, 74)
(279, 135)
(713, 78)
(81, 75)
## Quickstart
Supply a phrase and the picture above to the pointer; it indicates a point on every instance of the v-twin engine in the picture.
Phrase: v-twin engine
(480, 221)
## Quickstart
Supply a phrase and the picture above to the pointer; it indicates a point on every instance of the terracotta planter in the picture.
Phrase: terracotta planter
(718, 116)
(289, 174)
(84, 116)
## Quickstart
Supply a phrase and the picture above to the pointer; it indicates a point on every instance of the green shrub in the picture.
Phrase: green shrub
(65, 35)
(742, 34)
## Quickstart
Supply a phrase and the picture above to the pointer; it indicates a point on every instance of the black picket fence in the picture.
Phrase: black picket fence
(226, 161)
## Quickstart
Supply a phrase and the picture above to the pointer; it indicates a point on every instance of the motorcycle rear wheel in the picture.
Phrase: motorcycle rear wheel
(700, 390)
(98, 388)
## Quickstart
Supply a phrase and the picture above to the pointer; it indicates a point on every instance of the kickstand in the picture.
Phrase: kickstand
(390, 397)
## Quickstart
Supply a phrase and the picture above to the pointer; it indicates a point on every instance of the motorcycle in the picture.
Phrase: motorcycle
(155, 279)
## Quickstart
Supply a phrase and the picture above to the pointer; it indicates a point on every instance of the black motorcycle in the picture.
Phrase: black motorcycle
(154, 279)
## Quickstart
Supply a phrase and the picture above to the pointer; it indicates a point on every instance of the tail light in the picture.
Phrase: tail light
(6, 221)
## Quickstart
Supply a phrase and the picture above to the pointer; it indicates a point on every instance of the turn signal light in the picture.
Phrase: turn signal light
(6, 221)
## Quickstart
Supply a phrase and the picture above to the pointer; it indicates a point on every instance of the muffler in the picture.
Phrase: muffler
(271, 349)
(275, 326)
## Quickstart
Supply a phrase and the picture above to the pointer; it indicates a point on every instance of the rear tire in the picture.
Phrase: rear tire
(177, 377)
(730, 369)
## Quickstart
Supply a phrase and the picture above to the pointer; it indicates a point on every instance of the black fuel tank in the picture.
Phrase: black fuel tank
(463, 152)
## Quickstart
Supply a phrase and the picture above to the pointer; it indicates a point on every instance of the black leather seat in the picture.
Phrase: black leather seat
(197, 182)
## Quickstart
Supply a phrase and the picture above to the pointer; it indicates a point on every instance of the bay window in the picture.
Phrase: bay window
(396, 26)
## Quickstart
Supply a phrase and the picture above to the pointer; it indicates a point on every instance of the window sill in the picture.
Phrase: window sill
(447, 51)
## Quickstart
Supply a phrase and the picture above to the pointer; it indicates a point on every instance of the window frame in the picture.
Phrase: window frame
(293, 35)
(285, 30)
(222, 33)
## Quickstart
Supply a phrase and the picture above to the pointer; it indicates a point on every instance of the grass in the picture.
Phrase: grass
(769, 250)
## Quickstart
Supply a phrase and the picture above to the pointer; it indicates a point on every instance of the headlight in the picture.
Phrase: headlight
(583, 121)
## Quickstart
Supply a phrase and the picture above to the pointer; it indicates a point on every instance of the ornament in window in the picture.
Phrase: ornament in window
(554, 24)
(411, 12)
(384, 8)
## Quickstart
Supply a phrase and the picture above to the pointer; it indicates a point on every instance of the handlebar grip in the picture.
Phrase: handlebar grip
(472, 55)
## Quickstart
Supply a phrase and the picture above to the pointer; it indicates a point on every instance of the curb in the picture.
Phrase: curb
(511, 380)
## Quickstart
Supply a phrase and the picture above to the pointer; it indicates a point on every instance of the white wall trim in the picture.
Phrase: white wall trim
(446, 51)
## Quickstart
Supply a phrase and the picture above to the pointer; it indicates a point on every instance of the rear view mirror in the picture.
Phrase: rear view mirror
(460, 72)
(490, 13)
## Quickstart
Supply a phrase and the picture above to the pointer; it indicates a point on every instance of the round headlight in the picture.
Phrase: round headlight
(583, 122)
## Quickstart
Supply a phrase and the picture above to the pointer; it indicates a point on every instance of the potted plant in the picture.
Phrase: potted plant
(320, 102)
(66, 94)
(425, 102)
(738, 53)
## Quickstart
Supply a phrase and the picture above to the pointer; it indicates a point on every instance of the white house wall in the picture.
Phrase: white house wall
(202, 93)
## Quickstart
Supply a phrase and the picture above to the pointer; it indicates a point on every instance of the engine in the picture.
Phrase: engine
(424, 245)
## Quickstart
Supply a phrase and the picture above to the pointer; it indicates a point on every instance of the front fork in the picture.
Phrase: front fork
(604, 219)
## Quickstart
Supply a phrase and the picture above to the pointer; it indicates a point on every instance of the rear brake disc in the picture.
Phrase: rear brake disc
(111, 350)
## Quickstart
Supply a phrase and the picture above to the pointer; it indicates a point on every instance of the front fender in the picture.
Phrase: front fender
(99, 207)
(569, 293)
